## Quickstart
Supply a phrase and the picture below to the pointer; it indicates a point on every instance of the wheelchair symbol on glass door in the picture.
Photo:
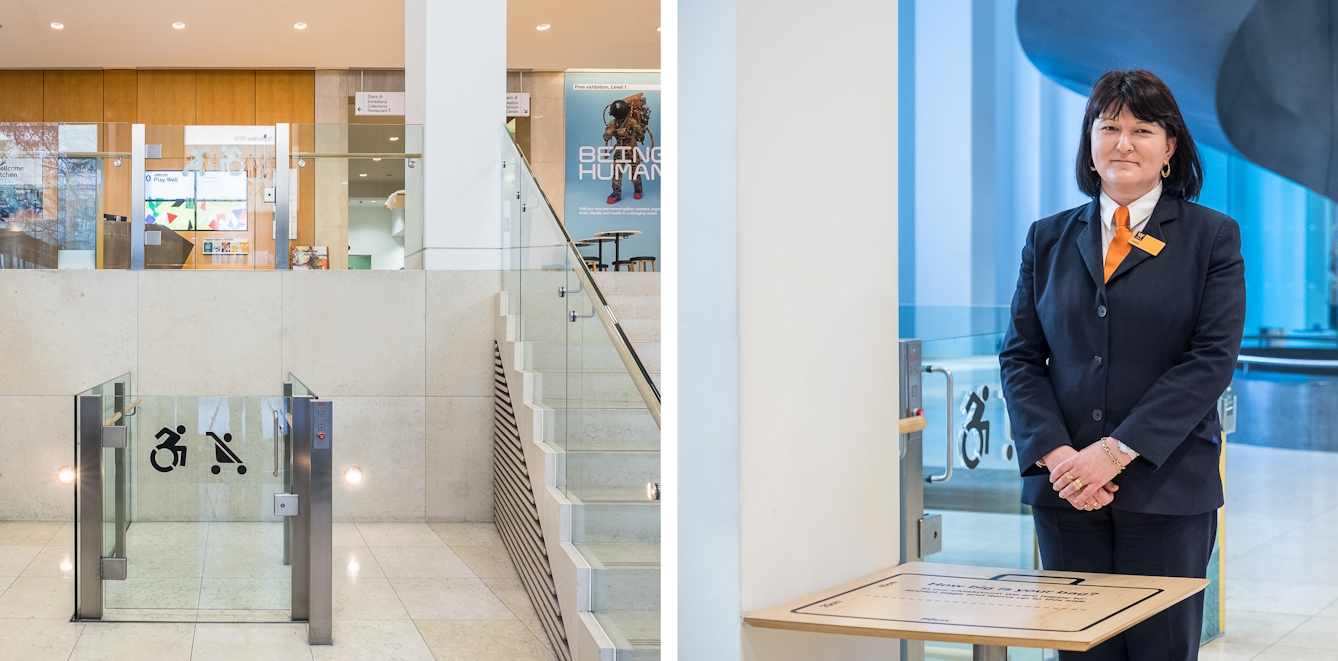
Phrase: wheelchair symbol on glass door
(224, 454)
(976, 427)
(178, 452)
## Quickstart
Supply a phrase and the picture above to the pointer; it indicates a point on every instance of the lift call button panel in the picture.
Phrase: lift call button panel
(321, 418)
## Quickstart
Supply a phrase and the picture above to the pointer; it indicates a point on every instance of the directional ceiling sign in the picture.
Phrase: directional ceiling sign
(379, 103)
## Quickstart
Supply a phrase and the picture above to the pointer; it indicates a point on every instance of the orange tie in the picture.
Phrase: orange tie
(1119, 246)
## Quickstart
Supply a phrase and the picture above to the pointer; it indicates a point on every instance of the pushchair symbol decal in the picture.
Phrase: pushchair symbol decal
(224, 454)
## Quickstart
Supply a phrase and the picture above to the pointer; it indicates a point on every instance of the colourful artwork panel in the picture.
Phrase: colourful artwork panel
(227, 216)
(178, 215)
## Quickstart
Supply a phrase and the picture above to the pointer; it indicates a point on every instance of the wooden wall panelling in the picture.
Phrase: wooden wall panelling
(120, 97)
(72, 96)
(22, 97)
(166, 97)
(225, 97)
(306, 204)
(290, 96)
(285, 96)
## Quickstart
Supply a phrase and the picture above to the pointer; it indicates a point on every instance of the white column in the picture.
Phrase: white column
(802, 472)
(455, 87)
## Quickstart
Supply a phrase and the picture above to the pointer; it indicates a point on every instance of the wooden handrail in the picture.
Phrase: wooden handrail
(912, 424)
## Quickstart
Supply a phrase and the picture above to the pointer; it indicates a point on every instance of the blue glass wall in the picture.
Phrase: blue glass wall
(987, 147)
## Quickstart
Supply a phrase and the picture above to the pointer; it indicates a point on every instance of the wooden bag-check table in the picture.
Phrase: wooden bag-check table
(991, 608)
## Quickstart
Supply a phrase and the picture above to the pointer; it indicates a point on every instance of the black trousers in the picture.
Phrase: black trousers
(1113, 542)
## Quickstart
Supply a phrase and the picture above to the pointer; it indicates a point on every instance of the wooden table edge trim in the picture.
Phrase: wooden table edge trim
(753, 618)
(874, 632)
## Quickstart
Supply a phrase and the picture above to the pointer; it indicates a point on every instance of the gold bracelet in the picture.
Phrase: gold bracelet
(1118, 468)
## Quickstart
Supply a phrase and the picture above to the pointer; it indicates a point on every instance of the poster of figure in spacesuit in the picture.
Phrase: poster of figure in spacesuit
(614, 157)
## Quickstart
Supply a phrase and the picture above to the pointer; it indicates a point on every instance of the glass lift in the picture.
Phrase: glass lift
(204, 509)
(961, 493)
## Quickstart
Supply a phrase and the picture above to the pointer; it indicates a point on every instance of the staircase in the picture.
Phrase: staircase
(587, 431)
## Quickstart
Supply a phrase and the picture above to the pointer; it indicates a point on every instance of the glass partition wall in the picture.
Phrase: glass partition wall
(64, 195)
(364, 204)
(209, 196)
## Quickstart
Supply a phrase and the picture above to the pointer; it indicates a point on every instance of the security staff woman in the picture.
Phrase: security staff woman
(1125, 329)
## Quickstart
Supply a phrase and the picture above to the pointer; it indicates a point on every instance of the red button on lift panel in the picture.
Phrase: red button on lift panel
(320, 436)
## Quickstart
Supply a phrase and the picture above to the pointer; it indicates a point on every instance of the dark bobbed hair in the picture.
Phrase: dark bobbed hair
(1150, 100)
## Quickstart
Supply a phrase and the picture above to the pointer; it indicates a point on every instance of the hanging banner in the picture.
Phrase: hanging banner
(613, 159)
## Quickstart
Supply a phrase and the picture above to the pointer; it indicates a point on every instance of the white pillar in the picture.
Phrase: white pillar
(455, 87)
(787, 336)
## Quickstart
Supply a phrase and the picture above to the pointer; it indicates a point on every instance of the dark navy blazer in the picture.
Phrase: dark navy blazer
(1142, 358)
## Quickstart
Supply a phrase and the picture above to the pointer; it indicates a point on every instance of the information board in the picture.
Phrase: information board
(983, 606)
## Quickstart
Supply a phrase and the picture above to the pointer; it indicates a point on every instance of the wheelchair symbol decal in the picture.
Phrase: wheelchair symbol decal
(224, 454)
(973, 405)
(178, 452)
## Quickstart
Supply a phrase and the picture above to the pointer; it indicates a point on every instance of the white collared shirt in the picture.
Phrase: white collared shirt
(1140, 211)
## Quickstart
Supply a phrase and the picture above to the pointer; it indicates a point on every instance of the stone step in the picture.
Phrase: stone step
(556, 328)
(622, 282)
(613, 516)
(572, 389)
(634, 305)
(626, 577)
(600, 428)
(636, 634)
(628, 469)
(581, 356)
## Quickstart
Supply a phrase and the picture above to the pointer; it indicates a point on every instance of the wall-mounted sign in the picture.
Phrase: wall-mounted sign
(378, 103)
(517, 104)
(229, 135)
(233, 246)
(77, 137)
(613, 157)
(20, 172)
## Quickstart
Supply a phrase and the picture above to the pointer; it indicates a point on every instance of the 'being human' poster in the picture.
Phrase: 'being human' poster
(613, 159)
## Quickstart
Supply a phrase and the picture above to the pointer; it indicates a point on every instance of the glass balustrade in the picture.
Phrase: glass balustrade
(599, 406)
(209, 196)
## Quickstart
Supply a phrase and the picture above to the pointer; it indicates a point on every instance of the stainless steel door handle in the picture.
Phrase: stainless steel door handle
(276, 443)
(947, 471)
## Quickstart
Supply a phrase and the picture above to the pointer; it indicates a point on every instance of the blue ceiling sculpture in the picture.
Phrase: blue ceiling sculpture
(1253, 77)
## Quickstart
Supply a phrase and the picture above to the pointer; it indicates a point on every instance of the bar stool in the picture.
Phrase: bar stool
(593, 264)
(620, 264)
(643, 264)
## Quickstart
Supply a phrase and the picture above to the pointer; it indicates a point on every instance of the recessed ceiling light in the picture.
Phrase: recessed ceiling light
(659, 29)
(542, 26)
(394, 138)
(300, 26)
(377, 158)
(58, 26)
(179, 25)
(362, 174)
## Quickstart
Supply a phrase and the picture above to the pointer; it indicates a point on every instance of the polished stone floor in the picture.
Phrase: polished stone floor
(401, 592)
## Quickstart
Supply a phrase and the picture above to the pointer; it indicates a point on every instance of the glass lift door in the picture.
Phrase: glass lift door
(961, 491)
(961, 488)
(204, 509)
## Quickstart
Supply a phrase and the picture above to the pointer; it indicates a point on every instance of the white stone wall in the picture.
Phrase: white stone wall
(405, 355)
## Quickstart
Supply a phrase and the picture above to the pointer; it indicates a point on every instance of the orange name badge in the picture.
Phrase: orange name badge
(1148, 244)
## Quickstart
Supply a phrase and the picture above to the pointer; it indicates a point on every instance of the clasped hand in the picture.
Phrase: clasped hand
(1083, 478)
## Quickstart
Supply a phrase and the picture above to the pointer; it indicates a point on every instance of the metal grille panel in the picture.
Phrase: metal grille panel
(517, 514)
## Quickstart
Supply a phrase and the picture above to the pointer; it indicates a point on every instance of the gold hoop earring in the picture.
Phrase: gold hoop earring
(1166, 170)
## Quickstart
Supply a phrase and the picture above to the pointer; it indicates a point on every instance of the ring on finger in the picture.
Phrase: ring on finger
(1077, 483)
